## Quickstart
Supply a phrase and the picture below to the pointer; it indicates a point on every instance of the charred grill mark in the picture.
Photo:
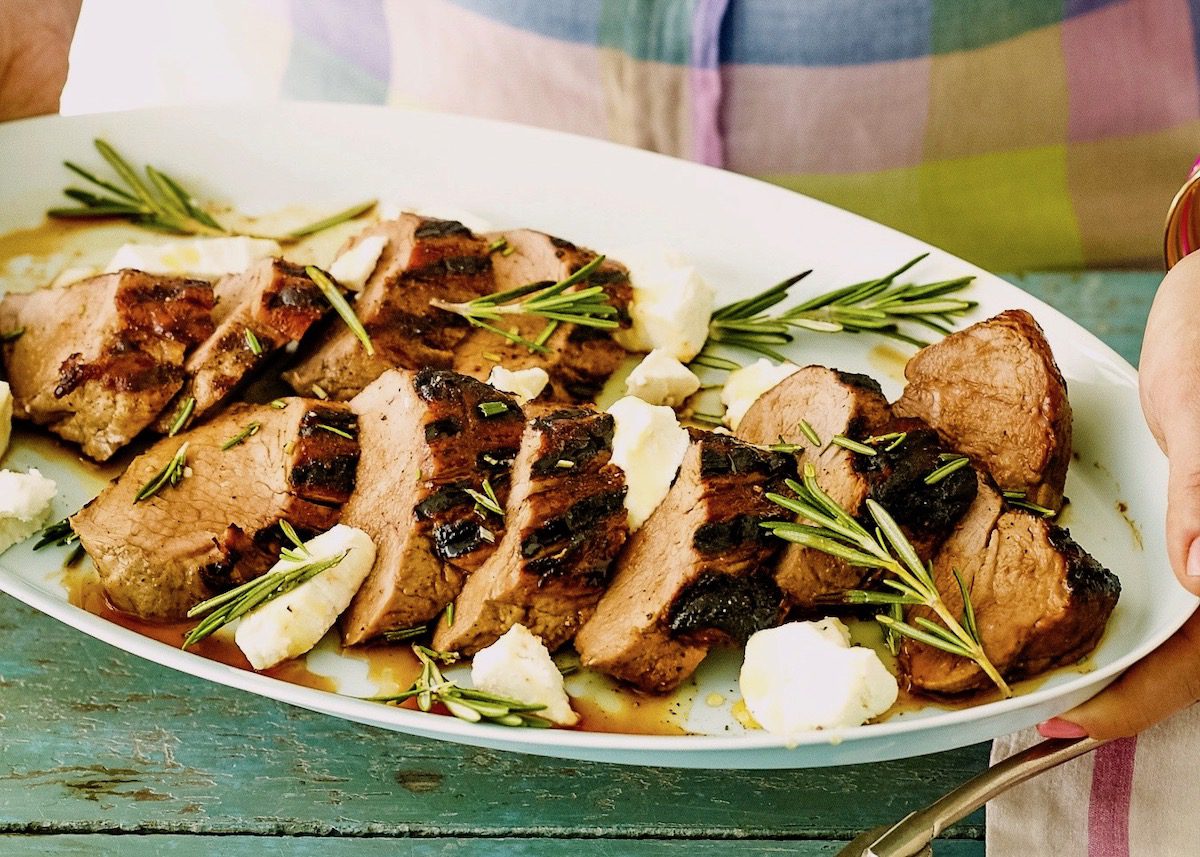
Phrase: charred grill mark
(611, 276)
(324, 464)
(438, 385)
(862, 382)
(168, 308)
(441, 229)
(561, 243)
(325, 480)
(561, 544)
(443, 500)
(316, 417)
(1086, 577)
(498, 460)
(122, 368)
(717, 537)
(572, 434)
(437, 271)
(896, 480)
(735, 607)
(720, 456)
(458, 538)
(445, 427)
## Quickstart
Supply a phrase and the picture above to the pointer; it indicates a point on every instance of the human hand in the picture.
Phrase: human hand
(35, 39)
(1168, 679)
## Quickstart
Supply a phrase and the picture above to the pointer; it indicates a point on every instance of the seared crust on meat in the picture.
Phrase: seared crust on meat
(270, 304)
(566, 521)
(994, 392)
(424, 259)
(99, 359)
(578, 359)
(699, 572)
(219, 527)
(1040, 600)
(425, 442)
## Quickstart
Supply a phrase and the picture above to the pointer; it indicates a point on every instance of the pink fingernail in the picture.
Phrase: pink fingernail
(1056, 727)
(1193, 560)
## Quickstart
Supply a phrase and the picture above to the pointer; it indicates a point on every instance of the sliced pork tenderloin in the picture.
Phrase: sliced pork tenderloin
(423, 259)
(219, 526)
(257, 312)
(994, 392)
(1040, 600)
(565, 522)
(699, 572)
(427, 438)
(99, 359)
(578, 359)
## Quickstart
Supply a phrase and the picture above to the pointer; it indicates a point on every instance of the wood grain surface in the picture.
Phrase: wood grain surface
(102, 753)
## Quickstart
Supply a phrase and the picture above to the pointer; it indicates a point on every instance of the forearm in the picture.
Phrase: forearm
(35, 40)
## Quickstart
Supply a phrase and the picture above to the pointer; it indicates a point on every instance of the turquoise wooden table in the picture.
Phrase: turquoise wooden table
(102, 753)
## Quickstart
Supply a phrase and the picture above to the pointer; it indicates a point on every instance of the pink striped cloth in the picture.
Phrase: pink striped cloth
(1137, 797)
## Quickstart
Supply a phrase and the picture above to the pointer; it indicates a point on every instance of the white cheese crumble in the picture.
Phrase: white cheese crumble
(745, 385)
(671, 308)
(353, 268)
(525, 384)
(660, 379)
(25, 500)
(518, 666)
(6, 412)
(293, 623)
(805, 675)
(477, 224)
(195, 257)
(649, 445)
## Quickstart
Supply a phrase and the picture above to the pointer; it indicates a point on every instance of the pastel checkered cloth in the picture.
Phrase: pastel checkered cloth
(1017, 133)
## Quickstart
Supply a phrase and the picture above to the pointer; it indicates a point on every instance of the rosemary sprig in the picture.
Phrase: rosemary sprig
(160, 202)
(486, 501)
(239, 601)
(463, 702)
(1019, 499)
(334, 295)
(250, 430)
(57, 534)
(169, 476)
(253, 344)
(877, 306)
(297, 552)
(587, 306)
(832, 530)
(182, 416)
(399, 635)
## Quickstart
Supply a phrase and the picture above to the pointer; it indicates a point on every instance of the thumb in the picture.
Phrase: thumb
(1183, 500)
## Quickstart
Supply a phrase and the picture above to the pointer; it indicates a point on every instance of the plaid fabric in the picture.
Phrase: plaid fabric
(1016, 133)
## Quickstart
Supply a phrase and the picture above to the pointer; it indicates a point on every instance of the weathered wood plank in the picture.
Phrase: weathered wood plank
(258, 846)
(92, 739)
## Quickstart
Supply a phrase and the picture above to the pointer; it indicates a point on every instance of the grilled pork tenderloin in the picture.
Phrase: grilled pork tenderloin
(699, 572)
(99, 359)
(257, 312)
(219, 526)
(994, 392)
(1040, 600)
(423, 259)
(565, 522)
(578, 359)
(426, 438)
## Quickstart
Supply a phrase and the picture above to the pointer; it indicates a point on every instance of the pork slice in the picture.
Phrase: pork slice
(994, 392)
(565, 522)
(698, 573)
(1040, 600)
(269, 305)
(423, 259)
(99, 359)
(578, 359)
(425, 440)
(219, 526)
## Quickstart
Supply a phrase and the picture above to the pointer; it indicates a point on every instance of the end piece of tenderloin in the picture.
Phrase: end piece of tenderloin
(423, 259)
(565, 521)
(100, 359)
(579, 359)
(257, 312)
(842, 404)
(219, 526)
(518, 666)
(25, 500)
(660, 379)
(1040, 600)
(291, 624)
(994, 392)
(698, 573)
(427, 438)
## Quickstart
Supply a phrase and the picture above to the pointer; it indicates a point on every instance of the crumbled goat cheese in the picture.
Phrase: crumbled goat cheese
(745, 385)
(25, 500)
(660, 379)
(353, 268)
(648, 444)
(195, 257)
(671, 308)
(525, 384)
(518, 666)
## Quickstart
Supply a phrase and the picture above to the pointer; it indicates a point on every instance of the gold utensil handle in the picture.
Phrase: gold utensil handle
(912, 836)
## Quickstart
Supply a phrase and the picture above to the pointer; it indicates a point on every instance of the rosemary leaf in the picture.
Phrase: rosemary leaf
(250, 430)
(181, 418)
(852, 445)
(278, 404)
(486, 500)
(809, 432)
(951, 466)
(356, 210)
(335, 430)
(12, 335)
(334, 295)
(253, 344)
(57, 534)
(401, 634)
(492, 409)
